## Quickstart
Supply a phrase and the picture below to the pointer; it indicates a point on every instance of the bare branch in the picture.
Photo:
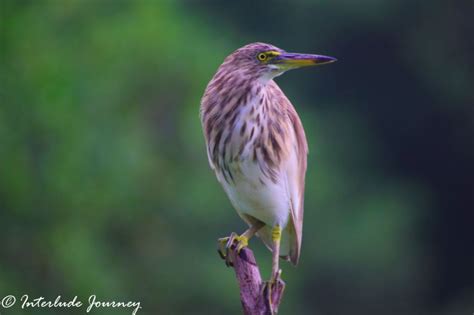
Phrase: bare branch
(253, 291)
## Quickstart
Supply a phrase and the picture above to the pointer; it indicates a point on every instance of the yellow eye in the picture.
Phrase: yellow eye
(262, 57)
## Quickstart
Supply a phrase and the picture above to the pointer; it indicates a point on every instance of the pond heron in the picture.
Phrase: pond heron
(257, 147)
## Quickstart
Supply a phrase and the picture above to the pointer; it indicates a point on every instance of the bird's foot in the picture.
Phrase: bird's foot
(227, 243)
(272, 291)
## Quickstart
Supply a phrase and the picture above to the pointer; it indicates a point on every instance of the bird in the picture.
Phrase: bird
(257, 147)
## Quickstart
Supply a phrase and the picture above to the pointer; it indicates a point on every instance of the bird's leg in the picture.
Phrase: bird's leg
(241, 241)
(276, 238)
(276, 272)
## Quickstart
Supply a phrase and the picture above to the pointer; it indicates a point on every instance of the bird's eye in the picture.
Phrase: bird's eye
(262, 57)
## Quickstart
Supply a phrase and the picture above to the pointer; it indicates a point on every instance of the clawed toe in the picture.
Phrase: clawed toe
(268, 290)
(224, 245)
(227, 243)
(267, 293)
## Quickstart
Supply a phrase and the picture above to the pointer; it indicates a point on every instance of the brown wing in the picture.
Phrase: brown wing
(296, 182)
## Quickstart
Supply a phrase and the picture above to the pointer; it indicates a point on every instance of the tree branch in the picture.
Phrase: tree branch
(253, 291)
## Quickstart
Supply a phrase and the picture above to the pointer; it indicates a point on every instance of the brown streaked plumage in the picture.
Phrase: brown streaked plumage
(257, 146)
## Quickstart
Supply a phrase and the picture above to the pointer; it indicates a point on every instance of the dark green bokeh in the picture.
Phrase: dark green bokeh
(104, 182)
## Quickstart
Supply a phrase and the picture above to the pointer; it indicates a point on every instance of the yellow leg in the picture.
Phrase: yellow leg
(276, 238)
(276, 272)
(242, 241)
(247, 235)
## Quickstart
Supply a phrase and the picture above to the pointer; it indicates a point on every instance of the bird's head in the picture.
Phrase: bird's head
(265, 61)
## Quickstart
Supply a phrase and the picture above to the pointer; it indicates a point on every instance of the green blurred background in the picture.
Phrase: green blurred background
(105, 186)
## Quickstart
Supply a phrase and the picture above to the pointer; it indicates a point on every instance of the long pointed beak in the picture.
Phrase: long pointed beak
(295, 60)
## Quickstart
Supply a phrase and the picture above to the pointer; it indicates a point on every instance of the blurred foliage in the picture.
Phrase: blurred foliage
(104, 182)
